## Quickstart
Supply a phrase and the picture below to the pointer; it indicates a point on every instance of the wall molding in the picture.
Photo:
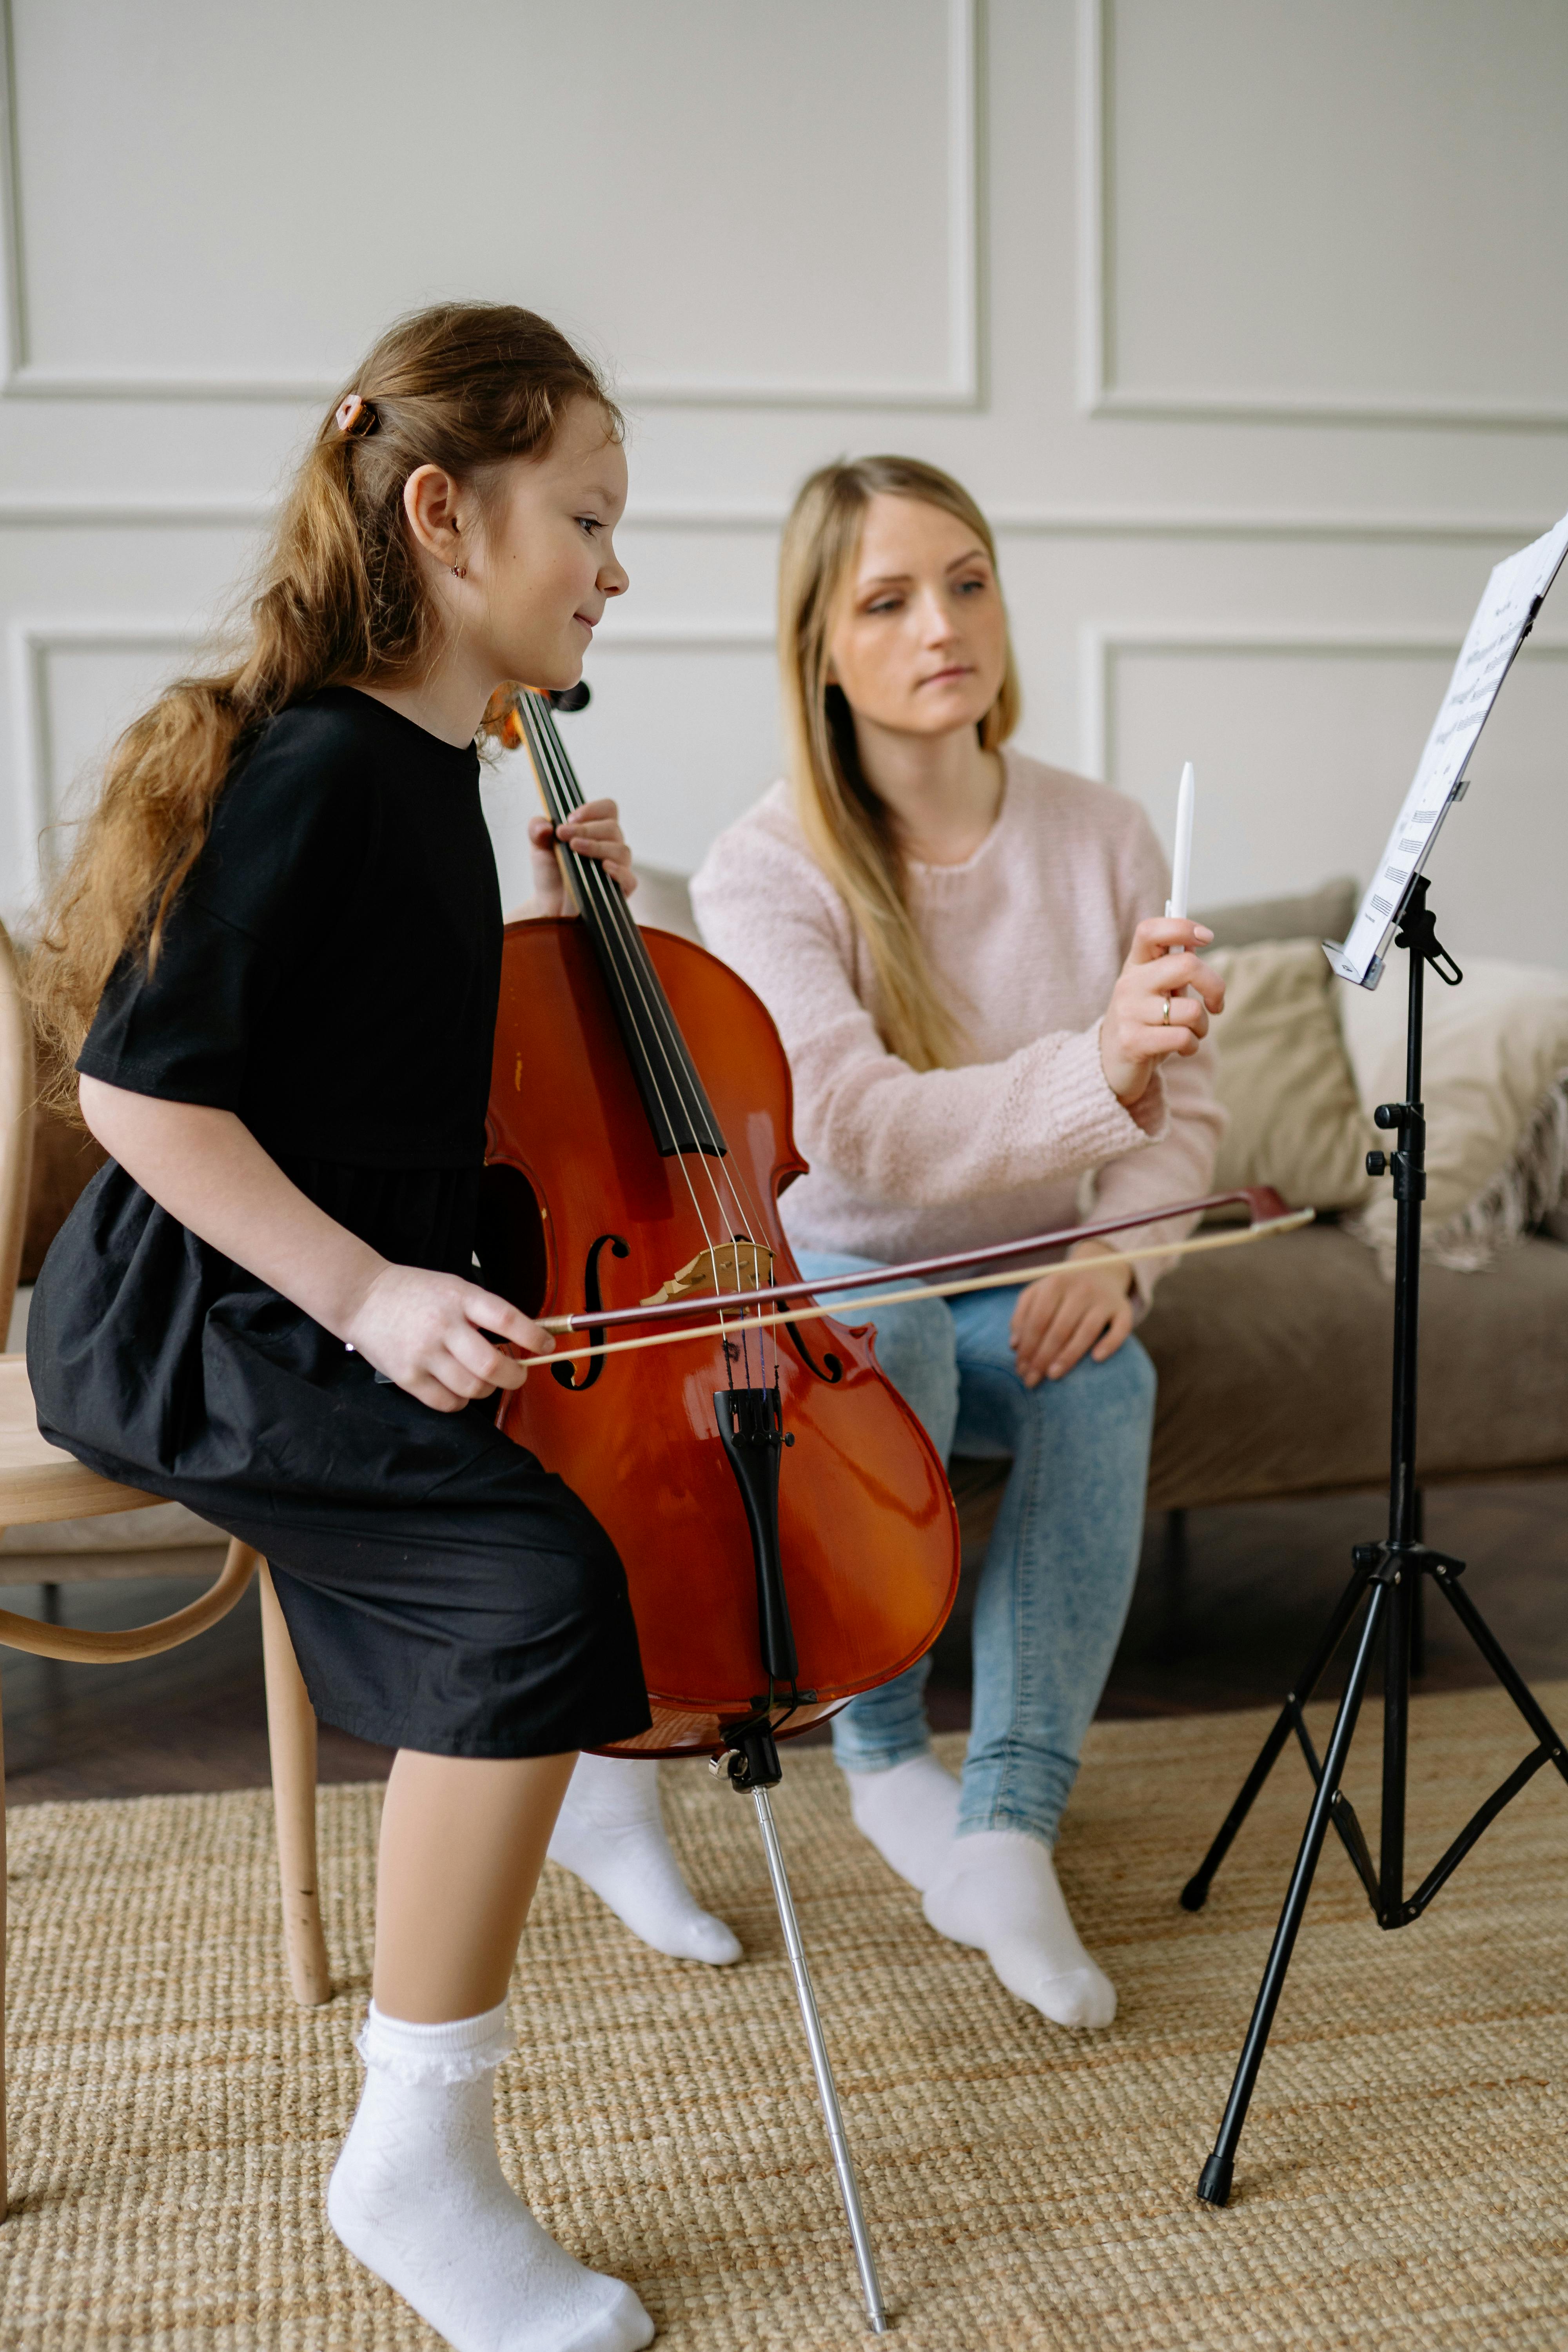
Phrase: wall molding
(19, 512)
(1101, 649)
(961, 388)
(29, 645)
(1099, 394)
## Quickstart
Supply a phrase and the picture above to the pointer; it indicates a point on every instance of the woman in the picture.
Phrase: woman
(986, 1021)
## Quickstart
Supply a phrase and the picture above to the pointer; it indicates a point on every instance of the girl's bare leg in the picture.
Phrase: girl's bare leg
(418, 2193)
(462, 1844)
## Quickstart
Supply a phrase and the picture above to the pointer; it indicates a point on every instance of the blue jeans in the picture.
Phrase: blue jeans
(1059, 1572)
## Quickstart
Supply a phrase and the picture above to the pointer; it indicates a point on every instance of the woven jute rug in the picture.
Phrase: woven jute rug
(1403, 2180)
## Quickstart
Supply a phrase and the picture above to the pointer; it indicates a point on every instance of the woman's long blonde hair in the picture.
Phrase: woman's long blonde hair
(847, 828)
(340, 600)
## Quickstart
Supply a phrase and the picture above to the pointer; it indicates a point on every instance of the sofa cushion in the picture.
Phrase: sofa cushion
(1326, 913)
(1493, 1077)
(1295, 1118)
(1276, 1360)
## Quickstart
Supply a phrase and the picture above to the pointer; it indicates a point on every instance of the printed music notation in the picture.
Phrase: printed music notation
(1503, 620)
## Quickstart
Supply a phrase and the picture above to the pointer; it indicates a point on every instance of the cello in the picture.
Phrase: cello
(786, 1525)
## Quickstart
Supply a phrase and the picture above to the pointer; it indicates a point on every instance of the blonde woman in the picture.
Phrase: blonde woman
(964, 954)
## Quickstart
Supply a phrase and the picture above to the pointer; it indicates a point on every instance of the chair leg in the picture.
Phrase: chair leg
(291, 1737)
(4, 2178)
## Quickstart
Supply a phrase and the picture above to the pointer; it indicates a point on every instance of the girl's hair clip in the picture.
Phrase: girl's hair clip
(355, 416)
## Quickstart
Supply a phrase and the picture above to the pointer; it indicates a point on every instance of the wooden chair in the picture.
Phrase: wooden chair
(39, 1483)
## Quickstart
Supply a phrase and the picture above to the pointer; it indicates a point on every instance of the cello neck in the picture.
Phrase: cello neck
(674, 1097)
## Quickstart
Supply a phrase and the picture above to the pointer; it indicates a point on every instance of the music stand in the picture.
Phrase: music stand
(1386, 1576)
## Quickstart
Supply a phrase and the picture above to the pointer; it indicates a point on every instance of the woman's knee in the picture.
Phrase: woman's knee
(915, 1342)
(915, 1348)
(1117, 1394)
(1132, 1375)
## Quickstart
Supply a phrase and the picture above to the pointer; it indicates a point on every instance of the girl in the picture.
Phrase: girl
(980, 1018)
(275, 962)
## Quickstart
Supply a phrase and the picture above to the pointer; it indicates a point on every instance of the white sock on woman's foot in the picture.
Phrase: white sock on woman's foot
(610, 1834)
(999, 1892)
(418, 2194)
(910, 1813)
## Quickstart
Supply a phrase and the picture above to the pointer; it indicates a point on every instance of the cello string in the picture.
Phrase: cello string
(626, 935)
(607, 919)
(562, 794)
(615, 924)
(743, 1209)
(630, 941)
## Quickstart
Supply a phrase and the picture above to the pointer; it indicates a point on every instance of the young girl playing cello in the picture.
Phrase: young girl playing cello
(274, 960)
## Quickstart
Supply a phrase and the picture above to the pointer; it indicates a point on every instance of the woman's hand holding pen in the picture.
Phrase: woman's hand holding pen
(1151, 1014)
(592, 831)
(436, 1336)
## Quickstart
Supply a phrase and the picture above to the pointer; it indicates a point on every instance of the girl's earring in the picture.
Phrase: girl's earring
(459, 571)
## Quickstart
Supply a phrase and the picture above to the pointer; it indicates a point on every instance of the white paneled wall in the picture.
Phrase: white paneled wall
(1244, 320)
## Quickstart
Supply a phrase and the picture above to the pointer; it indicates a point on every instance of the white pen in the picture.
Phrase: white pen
(1181, 863)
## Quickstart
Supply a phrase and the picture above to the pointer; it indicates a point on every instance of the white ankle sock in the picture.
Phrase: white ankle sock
(910, 1813)
(1000, 1893)
(610, 1834)
(418, 2194)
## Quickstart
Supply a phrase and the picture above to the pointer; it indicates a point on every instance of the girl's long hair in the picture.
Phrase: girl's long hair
(847, 828)
(340, 600)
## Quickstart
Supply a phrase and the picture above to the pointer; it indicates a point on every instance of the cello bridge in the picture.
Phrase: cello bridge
(738, 1265)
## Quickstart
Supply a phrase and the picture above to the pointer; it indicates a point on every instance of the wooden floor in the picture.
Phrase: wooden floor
(1229, 1629)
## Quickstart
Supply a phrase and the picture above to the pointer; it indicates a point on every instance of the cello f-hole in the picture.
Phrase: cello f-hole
(593, 1300)
(830, 1369)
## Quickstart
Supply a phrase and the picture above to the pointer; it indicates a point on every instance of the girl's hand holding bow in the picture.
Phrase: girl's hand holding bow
(439, 1337)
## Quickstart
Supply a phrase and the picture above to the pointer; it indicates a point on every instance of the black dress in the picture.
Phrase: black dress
(330, 974)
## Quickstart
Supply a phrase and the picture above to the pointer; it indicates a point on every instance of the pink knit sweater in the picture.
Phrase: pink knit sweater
(1028, 936)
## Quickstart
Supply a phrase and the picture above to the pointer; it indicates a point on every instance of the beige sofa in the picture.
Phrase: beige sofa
(1275, 1362)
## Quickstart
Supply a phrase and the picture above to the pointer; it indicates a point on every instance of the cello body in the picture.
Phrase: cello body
(582, 1210)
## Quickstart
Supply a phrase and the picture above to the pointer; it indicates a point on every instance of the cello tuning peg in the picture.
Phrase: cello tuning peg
(571, 698)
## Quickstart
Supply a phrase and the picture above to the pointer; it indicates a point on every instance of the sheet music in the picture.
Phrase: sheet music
(1503, 619)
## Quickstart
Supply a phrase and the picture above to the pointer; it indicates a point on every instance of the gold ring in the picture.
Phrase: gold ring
(1165, 1016)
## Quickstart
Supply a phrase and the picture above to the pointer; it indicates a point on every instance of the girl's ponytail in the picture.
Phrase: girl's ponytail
(340, 600)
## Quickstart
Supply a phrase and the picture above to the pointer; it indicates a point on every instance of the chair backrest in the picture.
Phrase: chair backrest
(15, 1125)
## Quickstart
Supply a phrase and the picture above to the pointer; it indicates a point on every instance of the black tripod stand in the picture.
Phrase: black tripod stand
(1387, 1577)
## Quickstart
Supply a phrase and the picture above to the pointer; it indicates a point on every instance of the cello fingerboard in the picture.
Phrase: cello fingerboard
(673, 1094)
